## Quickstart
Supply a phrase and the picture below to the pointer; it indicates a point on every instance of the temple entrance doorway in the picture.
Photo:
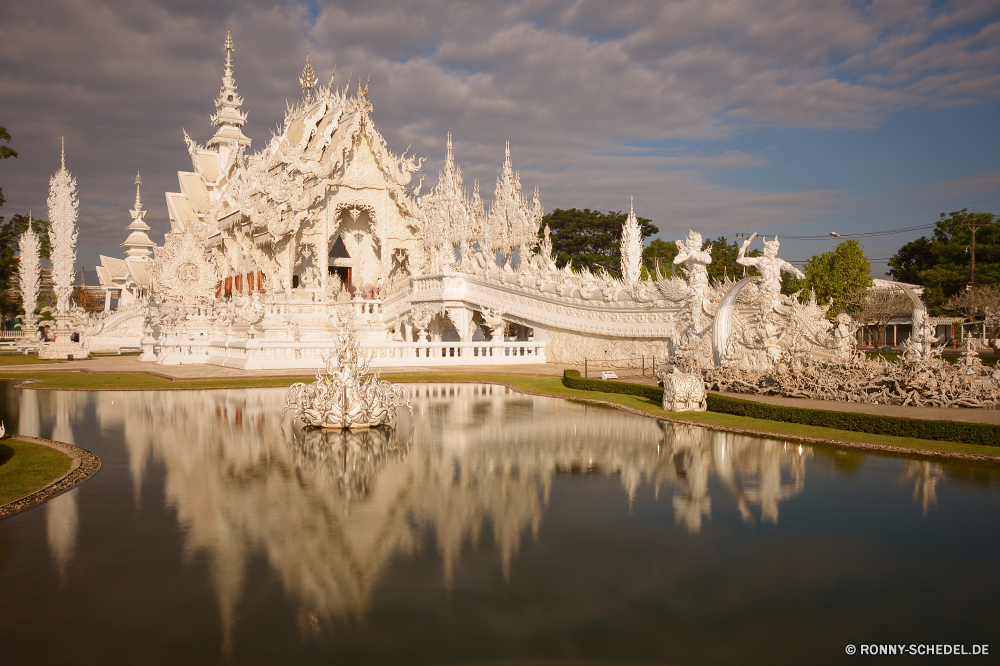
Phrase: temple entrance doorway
(343, 272)
(340, 263)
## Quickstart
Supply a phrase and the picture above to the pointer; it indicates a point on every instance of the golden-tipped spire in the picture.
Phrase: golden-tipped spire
(63, 139)
(308, 80)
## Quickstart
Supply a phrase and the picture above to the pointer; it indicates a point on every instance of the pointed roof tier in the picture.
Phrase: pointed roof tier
(138, 245)
(308, 81)
(228, 119)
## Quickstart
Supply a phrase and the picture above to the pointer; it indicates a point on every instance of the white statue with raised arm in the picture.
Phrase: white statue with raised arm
(695, 260)
(770, 267)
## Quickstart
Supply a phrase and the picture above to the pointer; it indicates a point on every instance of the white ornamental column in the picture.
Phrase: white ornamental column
(63, 211)
(29, 275)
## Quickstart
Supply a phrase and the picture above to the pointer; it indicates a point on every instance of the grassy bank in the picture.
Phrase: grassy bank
(537, 384)
(112, 381)
(26, 467)
(15, 358)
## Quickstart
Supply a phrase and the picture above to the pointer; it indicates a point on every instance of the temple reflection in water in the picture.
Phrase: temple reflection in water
(331, 509)
(522, 501)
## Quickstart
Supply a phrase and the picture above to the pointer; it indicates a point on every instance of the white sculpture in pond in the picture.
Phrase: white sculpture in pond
(682, 391)
(344, 397)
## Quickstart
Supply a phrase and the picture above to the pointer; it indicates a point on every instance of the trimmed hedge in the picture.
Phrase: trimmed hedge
(950, 431)
(572, 379)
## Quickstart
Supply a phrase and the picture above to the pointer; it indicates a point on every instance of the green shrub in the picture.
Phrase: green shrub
(899, 426)
(572, 379)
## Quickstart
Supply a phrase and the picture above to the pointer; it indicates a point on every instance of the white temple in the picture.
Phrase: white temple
(267, 251)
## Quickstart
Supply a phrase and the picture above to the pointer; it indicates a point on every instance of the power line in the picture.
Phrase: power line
(861, 215)
(895, 212)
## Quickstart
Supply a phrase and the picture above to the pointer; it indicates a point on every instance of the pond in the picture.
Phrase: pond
(489, 526)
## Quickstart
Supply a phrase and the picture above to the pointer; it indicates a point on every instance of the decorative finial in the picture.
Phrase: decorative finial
(365, 93)
(229, 51)
(332, 77)
(138, 182)
(308, 80)
(631, 205)
(63, 152)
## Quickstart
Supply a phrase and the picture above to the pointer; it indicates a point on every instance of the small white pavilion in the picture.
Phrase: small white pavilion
(127, 280)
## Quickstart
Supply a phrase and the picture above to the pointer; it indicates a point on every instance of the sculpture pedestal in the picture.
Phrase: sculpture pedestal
(63, 347)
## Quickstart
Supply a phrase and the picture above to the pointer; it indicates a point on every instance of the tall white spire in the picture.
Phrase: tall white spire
(631, 248)
(138, 245)
(29, 273)
(63, 211)
(228, 119)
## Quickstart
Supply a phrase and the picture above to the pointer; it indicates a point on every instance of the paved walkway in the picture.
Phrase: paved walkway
(190, 372)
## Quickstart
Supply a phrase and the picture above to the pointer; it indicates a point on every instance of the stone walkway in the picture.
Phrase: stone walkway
(192, 372)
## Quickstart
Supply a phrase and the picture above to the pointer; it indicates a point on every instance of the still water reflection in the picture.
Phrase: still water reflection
(487, 513)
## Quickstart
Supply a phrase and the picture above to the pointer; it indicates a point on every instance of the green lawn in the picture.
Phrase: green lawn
(26, 467)
(540, 384)
(110, 381)
(11, 358)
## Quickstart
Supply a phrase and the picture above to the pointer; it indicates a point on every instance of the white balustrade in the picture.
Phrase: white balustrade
(274, 354)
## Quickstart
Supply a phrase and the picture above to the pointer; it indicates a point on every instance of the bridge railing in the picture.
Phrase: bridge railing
(274, 354)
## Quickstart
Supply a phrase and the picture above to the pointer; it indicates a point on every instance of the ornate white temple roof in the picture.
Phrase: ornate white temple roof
(132, 272)
(138, 245)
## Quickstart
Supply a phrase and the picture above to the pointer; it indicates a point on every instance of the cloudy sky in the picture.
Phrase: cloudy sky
(777, 116)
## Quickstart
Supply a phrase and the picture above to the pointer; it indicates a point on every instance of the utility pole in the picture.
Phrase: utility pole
(973, 227)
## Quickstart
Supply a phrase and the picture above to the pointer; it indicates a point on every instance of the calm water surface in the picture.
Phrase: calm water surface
(488, 527)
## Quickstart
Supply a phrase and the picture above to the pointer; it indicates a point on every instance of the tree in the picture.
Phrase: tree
(658, 253)
(87, 299)
(724, 261)
(836, 275)
(941, 264)
(590, 238)
(874, 307)
(5, 152)
(982, 302)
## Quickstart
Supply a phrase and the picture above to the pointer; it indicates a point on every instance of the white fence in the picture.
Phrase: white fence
(260, 354)
(11, 335)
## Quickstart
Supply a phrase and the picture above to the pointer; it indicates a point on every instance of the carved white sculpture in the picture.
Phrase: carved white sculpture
(770, 267)
(29, 274)
(63, 206)
(344, 397)
(512, 222)
(682, 391)
(631, 249)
